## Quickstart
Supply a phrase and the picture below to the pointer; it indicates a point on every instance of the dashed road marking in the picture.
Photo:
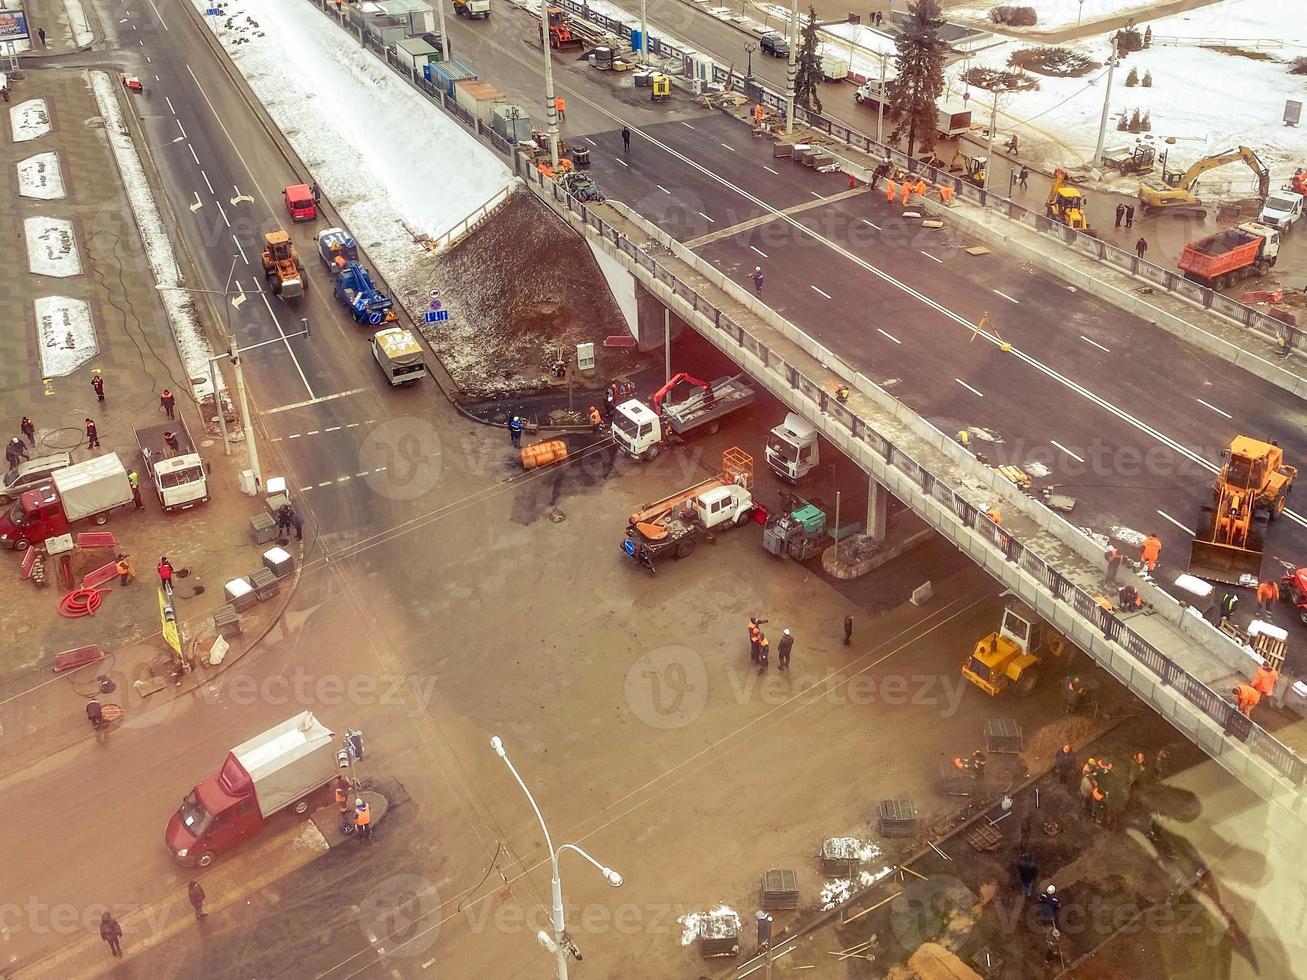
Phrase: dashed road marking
(622, 162)
(1006, 296)
(1095, 343)
(170, 108)
(769, 170)
(590, 141)
(159, 15)
(1076, 456)
(889, 336)
(687, 125)
(297, 435)
(872, 223)
(313, 432)
(206, 181)
(820, 291)
(1218, 411)
(1165, 516)
(758, 250)
(731, 148)
(332, 428)
(978, 394)
(223, 213)
(705, 217)
(816, 195)
(244, 257)
(327, 483)
(182, 128)
(931, 257)
(662, 188)
(193, 156)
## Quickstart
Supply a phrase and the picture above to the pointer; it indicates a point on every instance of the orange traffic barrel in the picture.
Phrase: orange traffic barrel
(543, 453)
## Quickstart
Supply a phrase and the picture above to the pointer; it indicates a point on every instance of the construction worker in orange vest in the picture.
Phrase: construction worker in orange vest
(561, 107)
(891, 189)
(362, 819)
(921, 188)
(1264, 680)
(342, 801)
(596, 420)
(1150, 551)
(1268, 592)
(907, 192)
(762, 653)
(1245, 698)
(946, 194)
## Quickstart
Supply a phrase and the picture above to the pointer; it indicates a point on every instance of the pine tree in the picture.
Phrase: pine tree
(1146, 123)
(1148, 80)
(808, 74)
(1121, 123)
(1134, 121)
(920, 80)
(1132, 79)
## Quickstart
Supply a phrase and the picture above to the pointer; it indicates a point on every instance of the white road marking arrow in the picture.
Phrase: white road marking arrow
(198, 203)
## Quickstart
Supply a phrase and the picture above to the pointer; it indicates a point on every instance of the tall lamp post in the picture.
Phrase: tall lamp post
(559, 945)
(551, 107)
(792, 68)
(1112, 62)
(750, 48)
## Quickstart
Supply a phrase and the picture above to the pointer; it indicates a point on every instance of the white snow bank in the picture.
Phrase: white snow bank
(1050, 15)
(77, 23)
(186, 331)
(67, 334)
(395, 166)
(41, 177)
(52, 247)
(30, 120)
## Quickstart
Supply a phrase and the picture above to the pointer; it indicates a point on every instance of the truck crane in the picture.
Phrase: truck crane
(1179, 196)
(641, 431)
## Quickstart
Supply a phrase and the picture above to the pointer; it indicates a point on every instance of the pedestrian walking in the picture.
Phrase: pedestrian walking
(168, 401)
(1129, 215)
(1141, 246)
(92, 435)
(1114, 559)
(40, 32)
(123, 566)
(15, 452)
(283, 519)
(515, 427)
(1022, 177)
(596, 420)
(1027, 873)
(362, 819)
(1268, 594)
(1050, 905)
(783, 650)
(757, 279)
(1120, 215)
(165, 574)
(97, 382)
(110, 931)
(297, 522)
(196, 894)
(848, 629)
(1013, 146)
(762, 654)
(29, 430)
(1064, 763)
(1150, 551)
(626, 139)
(561, 107)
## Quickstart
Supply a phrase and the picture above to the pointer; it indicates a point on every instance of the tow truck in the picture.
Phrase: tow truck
(641, 431)
(355, 290)
(1011, 656)
(673, 525)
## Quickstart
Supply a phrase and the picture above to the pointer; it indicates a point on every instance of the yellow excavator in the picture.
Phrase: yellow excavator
(971, 168)
(1178, 196)
(1065, 203)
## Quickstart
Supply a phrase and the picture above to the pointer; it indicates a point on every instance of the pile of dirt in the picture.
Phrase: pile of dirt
(520, 288)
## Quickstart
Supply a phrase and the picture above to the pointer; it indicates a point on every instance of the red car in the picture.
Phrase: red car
(301, 203)
(1294, 586)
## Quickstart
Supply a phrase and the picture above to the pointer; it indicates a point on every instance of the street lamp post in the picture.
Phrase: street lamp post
(750, 48)
(993, 123)
(551, 107)
(559, 944)
(792, 68)
(1107, 105)
(880, 103)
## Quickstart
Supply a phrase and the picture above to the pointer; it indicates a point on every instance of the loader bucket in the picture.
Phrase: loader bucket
(1223, 562)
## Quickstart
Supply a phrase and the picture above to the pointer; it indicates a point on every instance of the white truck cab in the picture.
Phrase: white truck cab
(1281, 210)
(637, 429)
(792, 449)
(723, 506)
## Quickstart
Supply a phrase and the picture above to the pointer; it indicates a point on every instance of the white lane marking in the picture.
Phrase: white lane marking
(931, 257)
(182, 128)
(296, 435)
(1214, 408)
(314, 401)
(1095, 343)
(193, 156)
(759, 251)
(198, 203)
(159, 15)
(819, 291)
(769, 170)
(342, 479)
(816, 195)
(621, 161)
(872, 223)
(1078, 458)
(170, 108)
(590, 141)
(379, 469)
(312, 432)
(306, 489)
(889, 336)
(352, 425)
(285, 340)
(363, 474)
(223, 213)
(244, 258)
(206, 180)
(1006, 296)
(150, 60)
(731, 148)
(325, 483)
(687, 125)
(704, 216)
(332, 428)
(662, 188)
(1166, 516)
(220, 124)
(978, 394)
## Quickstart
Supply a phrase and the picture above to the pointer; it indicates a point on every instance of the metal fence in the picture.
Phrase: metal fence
(1063, 590)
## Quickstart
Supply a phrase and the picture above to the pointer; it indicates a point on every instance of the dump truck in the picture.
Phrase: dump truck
(672, 526)
(641, 431)
(178, 476)
(1011, 657)
(792, 450)
(1250, 492)
(472, 8)
(399, 356)
(86, 491)
(336, 249)
(284, 768)
(1228, 256)
(282, 269)
(355, 290)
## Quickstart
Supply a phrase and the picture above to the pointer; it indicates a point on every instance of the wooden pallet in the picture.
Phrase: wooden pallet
(983, 837)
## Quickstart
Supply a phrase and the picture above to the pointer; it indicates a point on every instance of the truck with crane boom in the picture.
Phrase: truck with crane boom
(640, 431)
(368, 304)
(1178, 196)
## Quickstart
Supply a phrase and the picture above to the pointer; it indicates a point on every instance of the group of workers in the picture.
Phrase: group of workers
(1104, 789)
(353, 820)
(1248, 695)
(760, 646)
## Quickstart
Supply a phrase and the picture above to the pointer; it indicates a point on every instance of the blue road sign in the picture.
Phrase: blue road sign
(435, 304)
(429, 316)
(212, 12)
(442, 316)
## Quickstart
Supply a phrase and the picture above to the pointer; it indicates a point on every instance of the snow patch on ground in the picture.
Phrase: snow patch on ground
(396, 167)
(1036, 469)
(1126, 535)
(720, 923)
(67, 334)
(52, 247)
(77, 24)
(29, 120)
(840, 890)
(985, 434)
(1204, 100)
(1051, 15)
(41, 177)
(182, 317)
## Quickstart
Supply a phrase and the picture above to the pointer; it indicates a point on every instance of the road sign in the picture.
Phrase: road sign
(442, 316)
(435, 304)
(429, 316)
(212, 12)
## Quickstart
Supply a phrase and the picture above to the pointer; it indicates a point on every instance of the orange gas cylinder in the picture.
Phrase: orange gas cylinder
(543, 453)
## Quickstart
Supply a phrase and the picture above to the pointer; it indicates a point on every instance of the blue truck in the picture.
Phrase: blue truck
(354, 289)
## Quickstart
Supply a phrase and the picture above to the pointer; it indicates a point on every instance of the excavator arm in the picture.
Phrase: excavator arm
(661, 394)
(1243, 153)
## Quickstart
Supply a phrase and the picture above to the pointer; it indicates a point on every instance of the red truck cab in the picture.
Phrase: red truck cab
(219, 813)
(35, 516)
(300, 202)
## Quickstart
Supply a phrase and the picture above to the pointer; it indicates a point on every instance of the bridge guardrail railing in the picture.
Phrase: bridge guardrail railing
(1140, 653)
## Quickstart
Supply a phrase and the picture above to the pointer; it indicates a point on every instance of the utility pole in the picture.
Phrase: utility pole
(446, 49)
(644, 32)
(245, 418)
(1107, 96)
(792, 70)
(550, 105)
(880, 103)
(667, 345)
(993, 122)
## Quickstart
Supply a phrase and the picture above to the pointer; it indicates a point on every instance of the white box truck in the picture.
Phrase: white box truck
(399, 356)
(792, 449)
(88, 490)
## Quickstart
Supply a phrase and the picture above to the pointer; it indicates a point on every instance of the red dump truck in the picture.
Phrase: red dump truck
(284, 768)
(1228, 256)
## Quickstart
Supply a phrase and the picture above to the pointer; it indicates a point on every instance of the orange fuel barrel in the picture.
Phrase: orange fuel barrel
(543, 453)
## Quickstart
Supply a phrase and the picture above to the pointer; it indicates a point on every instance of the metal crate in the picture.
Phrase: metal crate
(1003, 735)
(896, 818)
(780, 889)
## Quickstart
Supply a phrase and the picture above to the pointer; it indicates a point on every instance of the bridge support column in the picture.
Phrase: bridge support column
(877, 510)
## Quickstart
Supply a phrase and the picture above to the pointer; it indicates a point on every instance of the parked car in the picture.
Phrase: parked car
(776, 45)
(27, 474)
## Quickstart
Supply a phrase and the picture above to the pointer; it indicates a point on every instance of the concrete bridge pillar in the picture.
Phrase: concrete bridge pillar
(877, 510)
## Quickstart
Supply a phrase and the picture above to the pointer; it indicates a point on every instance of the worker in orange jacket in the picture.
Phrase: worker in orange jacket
(1268, 592)
(1246, 698)
(596, 420)
(1150, 551)
(560, 107)
(907, 192)
(1265, 679)
(891, 189)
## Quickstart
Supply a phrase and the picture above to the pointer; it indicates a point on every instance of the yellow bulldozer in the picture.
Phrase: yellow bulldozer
(1178, 196)
(1011, 656)
(1065, 203)
(1249, 492)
